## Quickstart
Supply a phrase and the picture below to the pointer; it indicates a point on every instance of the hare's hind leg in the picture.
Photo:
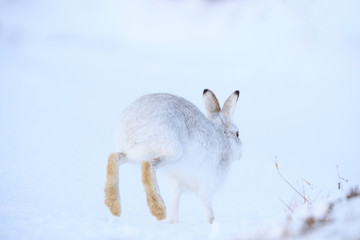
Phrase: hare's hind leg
(112, 196)
(154, 200)
(175, 193)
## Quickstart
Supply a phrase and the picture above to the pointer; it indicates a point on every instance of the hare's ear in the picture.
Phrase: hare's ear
(230, 105)
(211, 103)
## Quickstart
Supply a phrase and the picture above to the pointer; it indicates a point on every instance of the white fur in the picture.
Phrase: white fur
(170, 132)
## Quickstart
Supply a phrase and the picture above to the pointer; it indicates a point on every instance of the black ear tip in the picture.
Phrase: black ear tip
(237, 92)
(205, 91)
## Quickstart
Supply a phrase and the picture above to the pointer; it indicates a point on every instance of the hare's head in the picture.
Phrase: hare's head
(223, 119)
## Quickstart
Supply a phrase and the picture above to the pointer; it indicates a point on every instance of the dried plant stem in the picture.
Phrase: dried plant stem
(312, 186)
(287, 206)
(305, 199)
(340, 185)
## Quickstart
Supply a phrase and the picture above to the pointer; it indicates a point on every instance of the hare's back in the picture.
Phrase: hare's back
(159, 123)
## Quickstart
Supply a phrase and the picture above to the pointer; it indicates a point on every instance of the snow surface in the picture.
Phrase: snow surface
(68, 69)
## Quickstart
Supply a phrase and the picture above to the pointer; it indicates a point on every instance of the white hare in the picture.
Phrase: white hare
(168, 132)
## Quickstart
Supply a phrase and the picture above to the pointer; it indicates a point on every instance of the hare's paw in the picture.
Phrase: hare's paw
(114, 206)
(172, 220)
(157, 208)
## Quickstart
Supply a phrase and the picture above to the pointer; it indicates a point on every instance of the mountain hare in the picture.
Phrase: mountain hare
(168, 132)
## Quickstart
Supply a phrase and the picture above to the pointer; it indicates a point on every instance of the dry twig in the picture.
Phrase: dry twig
(287, 206)
(303, 196)
(341, 179)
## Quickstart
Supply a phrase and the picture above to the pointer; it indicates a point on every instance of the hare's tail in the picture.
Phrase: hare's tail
(112, 196)
(154, 200)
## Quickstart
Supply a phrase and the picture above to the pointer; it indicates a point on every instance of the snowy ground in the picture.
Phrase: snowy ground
(68, 69)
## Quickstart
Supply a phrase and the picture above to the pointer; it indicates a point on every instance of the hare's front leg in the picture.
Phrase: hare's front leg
(206, 202)
(175, 193)
(154, 200)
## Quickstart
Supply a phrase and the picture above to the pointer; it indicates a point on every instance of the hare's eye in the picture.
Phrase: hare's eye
(237, 134)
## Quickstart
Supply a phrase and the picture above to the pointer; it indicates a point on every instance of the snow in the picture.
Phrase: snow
(68, 69)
